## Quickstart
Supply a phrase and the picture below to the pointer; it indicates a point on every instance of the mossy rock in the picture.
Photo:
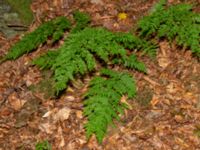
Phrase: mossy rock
(22, 7)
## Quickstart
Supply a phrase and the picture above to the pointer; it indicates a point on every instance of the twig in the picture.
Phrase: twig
(151, 81)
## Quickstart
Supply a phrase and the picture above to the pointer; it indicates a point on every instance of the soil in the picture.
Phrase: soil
(164, 115)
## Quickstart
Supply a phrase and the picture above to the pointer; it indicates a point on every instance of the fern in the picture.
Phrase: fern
(176, 22)
(133, 42)
(132, 62)
(102, 101)
(81, 50)
(47, 60)
(31, 41)
(44, 145)
(82, 21)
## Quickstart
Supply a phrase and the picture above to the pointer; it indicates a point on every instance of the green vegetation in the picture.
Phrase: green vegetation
(29, 42)
(44, 145)
(22, 7)
(85, 48)
(102, 101)
(80, 54)
(176, 22)
(197, 131)
(82, 21)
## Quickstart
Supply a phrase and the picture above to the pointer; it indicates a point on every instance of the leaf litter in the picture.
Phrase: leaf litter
(171, 92)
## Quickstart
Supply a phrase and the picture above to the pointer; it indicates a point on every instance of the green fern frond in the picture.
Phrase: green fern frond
(47, 60)
(82, 21)
(61, 24)
(131, 42)
(31, 41)
(81, 50)
(158, 6)
(176, 22)
(132, 62)
(102, 101)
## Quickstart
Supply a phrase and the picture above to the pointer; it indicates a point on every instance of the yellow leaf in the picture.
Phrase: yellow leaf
(122, 16)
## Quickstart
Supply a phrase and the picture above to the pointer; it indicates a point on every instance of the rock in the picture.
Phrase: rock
(4, 8)
(11, 18)
(11, 23)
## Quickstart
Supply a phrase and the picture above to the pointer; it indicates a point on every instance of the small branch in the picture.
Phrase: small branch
(151, 81)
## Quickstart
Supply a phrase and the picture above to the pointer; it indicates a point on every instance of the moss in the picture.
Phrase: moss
(144, 97)
(22, 7)
(197, 131)
(45, 86)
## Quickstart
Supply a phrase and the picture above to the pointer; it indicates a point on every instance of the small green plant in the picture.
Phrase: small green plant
(197, 131)
(82, 21)
(44, 145)
(29, 42)
(102, 101)
(176, 22)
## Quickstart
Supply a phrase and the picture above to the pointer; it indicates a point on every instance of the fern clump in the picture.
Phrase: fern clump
(54, 28)
(102, 101)
(79, 55)
(176, 22)
(83, 49)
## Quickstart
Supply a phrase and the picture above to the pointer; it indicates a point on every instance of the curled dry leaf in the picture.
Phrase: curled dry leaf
(60, 135)
(62, 114)
(15, 102)
(58, 115)
(124, 100)
(47, 127)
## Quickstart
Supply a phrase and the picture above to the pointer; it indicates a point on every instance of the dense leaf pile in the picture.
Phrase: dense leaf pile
(177, 22)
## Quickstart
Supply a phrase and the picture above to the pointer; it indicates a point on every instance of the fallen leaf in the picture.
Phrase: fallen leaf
(62, 114)
(15, 102)
(58, 115)
(79, 114)
(47, 127)
(122, 16)
(60, 135)
(123, 100)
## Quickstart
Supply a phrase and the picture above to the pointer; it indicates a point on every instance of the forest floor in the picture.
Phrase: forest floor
(164, 115)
